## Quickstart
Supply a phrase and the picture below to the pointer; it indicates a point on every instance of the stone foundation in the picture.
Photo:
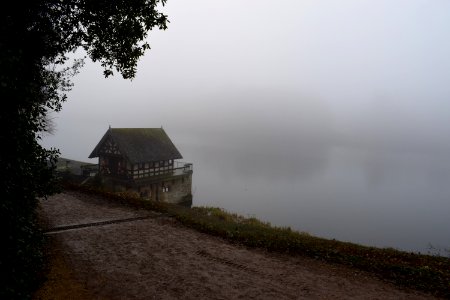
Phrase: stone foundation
(173, 189)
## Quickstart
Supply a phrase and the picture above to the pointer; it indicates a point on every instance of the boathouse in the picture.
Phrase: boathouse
(143, 160)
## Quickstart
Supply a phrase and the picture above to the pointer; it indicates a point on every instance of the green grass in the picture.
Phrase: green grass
(422, 272)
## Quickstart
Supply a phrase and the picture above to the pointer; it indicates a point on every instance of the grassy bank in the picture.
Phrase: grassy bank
(423, 272)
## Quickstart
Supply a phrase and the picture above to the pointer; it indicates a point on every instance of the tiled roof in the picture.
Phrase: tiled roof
(140, 144)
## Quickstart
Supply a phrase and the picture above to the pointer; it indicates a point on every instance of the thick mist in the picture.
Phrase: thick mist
(295, 163)
(329, 117)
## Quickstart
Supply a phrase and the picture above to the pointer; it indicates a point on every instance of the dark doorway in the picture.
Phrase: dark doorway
(113, 165)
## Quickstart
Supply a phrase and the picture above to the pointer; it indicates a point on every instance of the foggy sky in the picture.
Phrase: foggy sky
(362, 73)
(330, 116)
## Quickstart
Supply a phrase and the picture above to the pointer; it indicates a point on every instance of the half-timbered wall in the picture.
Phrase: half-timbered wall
(142, 170)
(113, 166)
(111, 161)
(110, 148)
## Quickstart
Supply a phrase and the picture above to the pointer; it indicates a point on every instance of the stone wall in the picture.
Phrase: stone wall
(178, 189)
(172, 190)
(175, 189)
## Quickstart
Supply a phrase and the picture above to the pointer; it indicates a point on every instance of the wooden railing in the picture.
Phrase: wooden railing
(180, 169)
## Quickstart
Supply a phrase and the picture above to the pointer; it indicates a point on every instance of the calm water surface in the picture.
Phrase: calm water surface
(377, 198)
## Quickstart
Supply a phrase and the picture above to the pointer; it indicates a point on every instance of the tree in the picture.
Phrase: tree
(35, 37)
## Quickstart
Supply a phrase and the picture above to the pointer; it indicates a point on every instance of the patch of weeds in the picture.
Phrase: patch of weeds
(429, 273)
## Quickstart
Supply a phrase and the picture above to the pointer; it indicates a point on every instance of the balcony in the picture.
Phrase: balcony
(181, 168)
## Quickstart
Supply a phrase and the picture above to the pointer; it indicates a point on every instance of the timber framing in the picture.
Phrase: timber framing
(143, 160)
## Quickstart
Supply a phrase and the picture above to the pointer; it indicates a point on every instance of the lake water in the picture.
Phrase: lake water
(373, 197)
(374, 172)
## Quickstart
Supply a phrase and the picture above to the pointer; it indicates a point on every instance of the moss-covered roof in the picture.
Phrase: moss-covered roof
(140, 144)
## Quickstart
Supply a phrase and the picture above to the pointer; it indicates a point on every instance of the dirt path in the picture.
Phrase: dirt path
(151, 256)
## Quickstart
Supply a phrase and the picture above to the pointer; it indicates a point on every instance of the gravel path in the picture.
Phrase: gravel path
(154, 257)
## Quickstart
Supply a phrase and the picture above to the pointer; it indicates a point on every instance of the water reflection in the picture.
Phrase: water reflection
(381, 198)
(373, 172)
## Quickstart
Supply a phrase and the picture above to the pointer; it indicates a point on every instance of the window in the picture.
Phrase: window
(165, 189)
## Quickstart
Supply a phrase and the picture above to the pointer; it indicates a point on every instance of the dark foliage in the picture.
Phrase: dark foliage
(35, 39)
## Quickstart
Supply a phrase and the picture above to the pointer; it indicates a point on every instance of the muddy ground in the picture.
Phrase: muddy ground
(136, 254)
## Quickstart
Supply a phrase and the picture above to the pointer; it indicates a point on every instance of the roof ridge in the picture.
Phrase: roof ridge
(140, 144)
